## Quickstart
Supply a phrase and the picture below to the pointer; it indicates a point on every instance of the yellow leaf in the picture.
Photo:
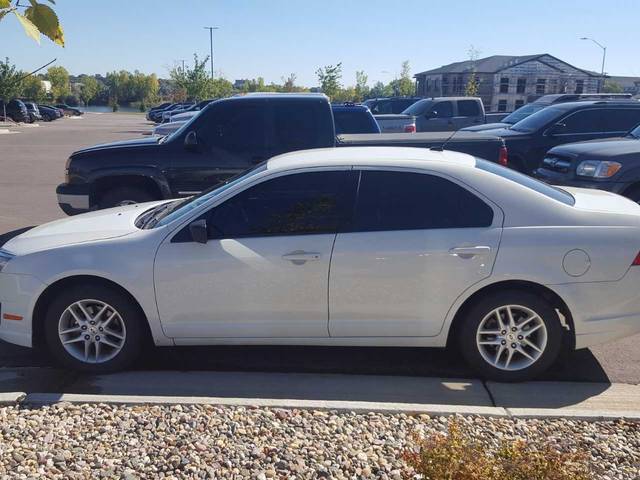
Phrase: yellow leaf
(46, 20)
(5, 3)
(29, 28)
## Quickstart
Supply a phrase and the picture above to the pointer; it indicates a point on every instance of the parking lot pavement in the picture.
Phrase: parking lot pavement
(32, 164)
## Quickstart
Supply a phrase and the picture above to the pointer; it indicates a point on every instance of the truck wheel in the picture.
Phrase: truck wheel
(511, 336)
(120, 196)
(94, 328)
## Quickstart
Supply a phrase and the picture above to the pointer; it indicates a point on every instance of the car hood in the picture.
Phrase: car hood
(486, 126)
(610, 147)
(183, 116)
(135, 143)
(88, 227)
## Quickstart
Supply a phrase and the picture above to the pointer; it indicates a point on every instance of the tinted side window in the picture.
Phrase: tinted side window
(443, 110)
(299, 126)
(620, 120)
(298, 204)
(411, 201)
(468, 108)
(354, 121)
(584, 121)
(383, 107)
(400, 106)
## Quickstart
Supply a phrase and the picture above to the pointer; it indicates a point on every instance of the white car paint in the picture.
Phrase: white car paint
(391, 288)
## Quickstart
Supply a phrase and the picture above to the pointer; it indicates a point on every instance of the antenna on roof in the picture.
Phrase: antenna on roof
(445, 143)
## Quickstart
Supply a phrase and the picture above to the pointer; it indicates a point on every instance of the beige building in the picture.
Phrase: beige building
(505, 83)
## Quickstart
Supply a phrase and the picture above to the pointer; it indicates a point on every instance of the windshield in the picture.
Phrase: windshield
(168, 212)
(526, 181)
(418, 108)
(635, 132)
(538, 120)
(523, 112)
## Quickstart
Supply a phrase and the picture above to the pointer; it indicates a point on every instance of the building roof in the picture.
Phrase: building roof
(492, 64)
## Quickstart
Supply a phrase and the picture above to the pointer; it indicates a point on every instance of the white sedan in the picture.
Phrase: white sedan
(343, 246)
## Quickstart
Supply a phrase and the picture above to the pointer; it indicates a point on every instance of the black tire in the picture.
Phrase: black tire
(124, 195)
(483, 307)
(129, 313)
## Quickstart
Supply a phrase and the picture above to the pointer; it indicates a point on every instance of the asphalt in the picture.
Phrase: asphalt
(32, 164)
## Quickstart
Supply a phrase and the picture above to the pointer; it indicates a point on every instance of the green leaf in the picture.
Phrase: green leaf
(30, 29)
(5, 4)
(46, 20)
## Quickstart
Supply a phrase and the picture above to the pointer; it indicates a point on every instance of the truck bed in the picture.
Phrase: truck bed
(476, 144)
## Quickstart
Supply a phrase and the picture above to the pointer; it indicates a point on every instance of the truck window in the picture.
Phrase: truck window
(468, 108)
(443, 110)
(583, 121)
(301, 125)
(620, 119)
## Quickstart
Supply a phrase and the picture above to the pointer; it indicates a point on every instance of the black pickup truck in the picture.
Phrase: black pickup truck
(226, 138)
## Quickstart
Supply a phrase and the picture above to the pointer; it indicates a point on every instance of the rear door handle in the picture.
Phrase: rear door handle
(300, 257)
(470, 252)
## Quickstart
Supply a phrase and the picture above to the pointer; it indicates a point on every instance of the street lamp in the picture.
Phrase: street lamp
(211, 29)
(604, 54)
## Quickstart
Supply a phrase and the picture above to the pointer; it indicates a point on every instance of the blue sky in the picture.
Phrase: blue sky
(275, 38)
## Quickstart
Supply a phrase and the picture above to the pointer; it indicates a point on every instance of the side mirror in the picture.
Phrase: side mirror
(198, 230)
(432, 114)
(191, 140)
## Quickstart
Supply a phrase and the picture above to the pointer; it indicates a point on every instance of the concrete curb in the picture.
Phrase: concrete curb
(38, 399)
(7, 398)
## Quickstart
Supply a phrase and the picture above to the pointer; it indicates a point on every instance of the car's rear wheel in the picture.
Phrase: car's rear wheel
(511, 336)
(120, 196)
(94, 328)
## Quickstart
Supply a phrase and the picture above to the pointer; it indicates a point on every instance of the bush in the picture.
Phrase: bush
(457, 456)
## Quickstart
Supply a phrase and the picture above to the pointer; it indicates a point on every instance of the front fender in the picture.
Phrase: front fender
(150, 173)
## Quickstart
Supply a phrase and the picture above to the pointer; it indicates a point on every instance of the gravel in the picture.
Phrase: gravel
(202, 441)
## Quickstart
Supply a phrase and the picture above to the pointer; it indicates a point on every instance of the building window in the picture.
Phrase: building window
(436, 84)
(502, 105)
(519, 103)
(579, 86)
(504, 85)
(521, 87)
(541, 86)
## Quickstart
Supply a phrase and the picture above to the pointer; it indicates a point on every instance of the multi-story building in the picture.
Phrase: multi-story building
(505, 82)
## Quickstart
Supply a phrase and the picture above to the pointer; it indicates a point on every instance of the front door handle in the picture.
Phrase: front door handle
(299, 257)
(470, 252)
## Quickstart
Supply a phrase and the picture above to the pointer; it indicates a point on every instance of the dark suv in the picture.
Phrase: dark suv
(383, 106)
(16, 110)
(612, 164)
(530, 139)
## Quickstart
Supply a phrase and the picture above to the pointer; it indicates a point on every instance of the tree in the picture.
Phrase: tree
(361, 88)
(90, 89)
(380, 90)
(612, 87)
(33, 89)
(329, 78)
(59, 78)
(220, 88)
(472, 86)
(194, 81)
(405, 86)
(9, 83)
(36, 19)
(289, 83)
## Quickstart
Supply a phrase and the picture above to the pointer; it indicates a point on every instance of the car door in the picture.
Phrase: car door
(416, 242)
(468, 114)
(264, 271)
(231, 137)
(439, 118)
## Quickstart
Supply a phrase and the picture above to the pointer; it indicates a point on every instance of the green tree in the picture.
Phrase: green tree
(10, 83)
(361, 88)
(195, 80)
(90, 89)
(36, 19)
(33, 89)
(473, 84)
(329, 78)
(380, 90)
(612, 87)
(220, 88)
(404, 85)
(289, 83)
(59, 78)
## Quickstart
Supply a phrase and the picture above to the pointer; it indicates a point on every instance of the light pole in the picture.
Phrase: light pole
(211, 29)
(604, 56)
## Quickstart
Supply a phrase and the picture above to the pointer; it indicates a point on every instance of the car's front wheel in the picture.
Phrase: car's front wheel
(511, 336)
(94, 328)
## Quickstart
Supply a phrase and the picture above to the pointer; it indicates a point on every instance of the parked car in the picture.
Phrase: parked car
(16, 110)
(71, 111)
(440, 114)
(612, 164)
(34, 112)
(59, 111)
(194, 107)
(156, 115)
(228, 137)
(48, 114)
(543, 102)
(510, 270)
(530, 139)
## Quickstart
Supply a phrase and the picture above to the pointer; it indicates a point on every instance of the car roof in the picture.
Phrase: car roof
(367, 156)
(596, 103)
(342, 107)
